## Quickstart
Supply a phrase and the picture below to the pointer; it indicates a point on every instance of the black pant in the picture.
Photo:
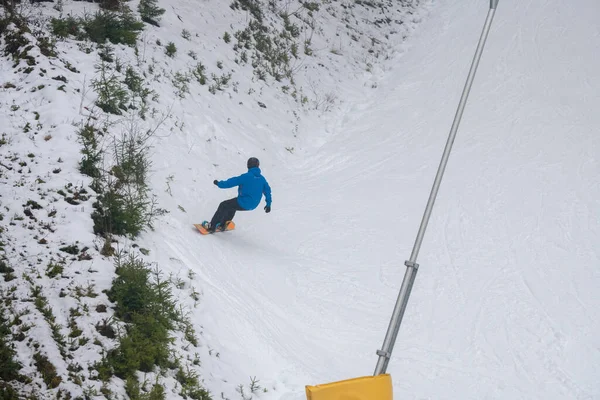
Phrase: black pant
(225, 212)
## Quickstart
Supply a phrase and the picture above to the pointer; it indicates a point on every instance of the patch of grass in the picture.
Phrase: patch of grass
(53, 270)
(47, 370)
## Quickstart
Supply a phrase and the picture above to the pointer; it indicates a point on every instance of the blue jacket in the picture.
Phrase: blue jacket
(252, 185)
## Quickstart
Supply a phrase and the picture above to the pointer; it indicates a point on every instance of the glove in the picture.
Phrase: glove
(216, 182)
(267, 209)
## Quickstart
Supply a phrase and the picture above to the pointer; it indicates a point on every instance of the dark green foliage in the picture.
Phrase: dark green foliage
(150, 11)
(105, 25)
(190, 386)
(54, 269)
(7, 392)
(114, 213)
(16, 44)
(112, 96)
(72, 249)
(9, 368)
(132, 388)
(134, 81)
(131, 288)
(92, 154)
(311, 6)
(171, 49)
(135, 292)
(249, 5)
(116, 28)
(146, 303)
(4, 22)
(139, 91)
(124, 205)
(47, 46)
(146, 345)
(4, 268)
(33, 204)
(199, 73)
(106, 53)
(111, 5)
(65, 27)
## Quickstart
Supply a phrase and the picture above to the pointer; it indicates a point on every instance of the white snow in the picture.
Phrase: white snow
(505, 303)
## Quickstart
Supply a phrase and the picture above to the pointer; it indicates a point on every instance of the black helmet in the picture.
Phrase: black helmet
(253, 162)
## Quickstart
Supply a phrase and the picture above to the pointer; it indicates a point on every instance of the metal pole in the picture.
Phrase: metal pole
(411, 264)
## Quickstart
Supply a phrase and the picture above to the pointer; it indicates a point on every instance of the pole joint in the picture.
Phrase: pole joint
(411, 264)
(385, 354)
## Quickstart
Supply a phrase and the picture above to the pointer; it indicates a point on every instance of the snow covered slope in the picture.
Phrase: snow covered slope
(505, 304)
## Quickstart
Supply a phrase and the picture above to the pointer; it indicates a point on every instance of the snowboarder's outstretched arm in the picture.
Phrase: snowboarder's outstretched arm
(231, 182)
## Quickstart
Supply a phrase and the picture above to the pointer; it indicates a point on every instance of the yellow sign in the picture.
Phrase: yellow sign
(365, 388)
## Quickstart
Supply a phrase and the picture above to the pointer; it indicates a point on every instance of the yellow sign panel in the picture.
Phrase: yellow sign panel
(365, 388)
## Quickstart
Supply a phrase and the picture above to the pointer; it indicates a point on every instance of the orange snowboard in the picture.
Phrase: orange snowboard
(230, 227)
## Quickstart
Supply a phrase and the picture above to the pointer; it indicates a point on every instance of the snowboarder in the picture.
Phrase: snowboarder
(252, 185)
